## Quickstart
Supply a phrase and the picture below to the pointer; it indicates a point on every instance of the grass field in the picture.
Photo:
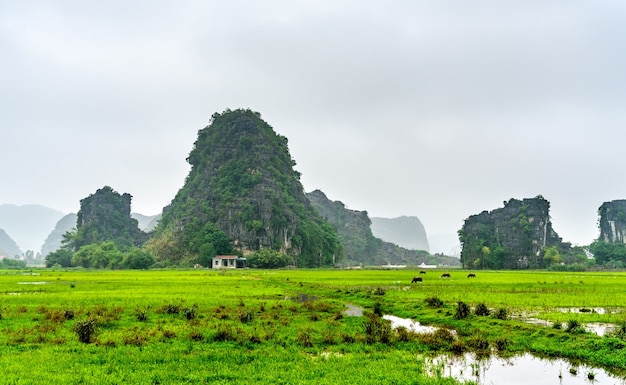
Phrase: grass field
(289, 326)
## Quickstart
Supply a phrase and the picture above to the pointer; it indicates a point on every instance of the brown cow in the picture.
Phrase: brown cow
(416, 279)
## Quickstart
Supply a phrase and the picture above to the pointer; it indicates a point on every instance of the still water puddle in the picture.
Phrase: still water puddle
(523, 370)
(396, 322)
(409, 324)
(34, 283)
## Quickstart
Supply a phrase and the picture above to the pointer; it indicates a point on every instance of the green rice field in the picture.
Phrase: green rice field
(292, 326)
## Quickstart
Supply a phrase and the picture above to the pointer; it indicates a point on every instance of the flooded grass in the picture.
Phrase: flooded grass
(302, 326)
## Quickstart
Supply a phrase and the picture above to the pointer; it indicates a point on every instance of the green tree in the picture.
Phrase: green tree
(99, 256)
(268, 258)
(137, 258)
(551, 256)
(605, 252)
(61, 257)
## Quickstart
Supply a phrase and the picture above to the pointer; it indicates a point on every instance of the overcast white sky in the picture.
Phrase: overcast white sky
(437, 109)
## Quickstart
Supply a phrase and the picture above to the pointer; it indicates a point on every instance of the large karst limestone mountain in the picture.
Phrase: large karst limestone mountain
(242, 180)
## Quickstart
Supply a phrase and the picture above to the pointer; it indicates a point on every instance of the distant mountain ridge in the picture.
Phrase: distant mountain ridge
(361, 246)
(8, 247)
(28, 225)
(54, 239)
(405, 231)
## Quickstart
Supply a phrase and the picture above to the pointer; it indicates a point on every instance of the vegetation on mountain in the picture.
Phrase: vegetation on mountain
(105, 216)
(242, 187)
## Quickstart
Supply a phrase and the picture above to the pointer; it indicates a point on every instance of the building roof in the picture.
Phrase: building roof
(226, 257)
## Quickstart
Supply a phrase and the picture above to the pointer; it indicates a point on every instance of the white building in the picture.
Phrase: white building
(228, 262)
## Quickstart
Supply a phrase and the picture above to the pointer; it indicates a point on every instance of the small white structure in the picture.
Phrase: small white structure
(425, 266)
(228, 262)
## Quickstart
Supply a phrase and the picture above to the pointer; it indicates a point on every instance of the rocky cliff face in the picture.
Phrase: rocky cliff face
(509, 237)
(612, 221)
(406, 232)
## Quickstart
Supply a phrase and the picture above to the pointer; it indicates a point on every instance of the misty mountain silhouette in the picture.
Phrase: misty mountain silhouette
(28, 225)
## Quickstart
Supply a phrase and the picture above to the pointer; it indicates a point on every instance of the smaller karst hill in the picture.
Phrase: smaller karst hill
(510, 237)
(105, 216)
(242, 183)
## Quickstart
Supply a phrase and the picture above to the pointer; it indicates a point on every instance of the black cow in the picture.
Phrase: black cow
(422, 272)
(471, 275)
(416, 279)
(445, 275)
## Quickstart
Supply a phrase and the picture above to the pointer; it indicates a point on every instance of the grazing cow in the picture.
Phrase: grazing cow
(416, 279)
(471, 275)
(422, 272)
(445, 275)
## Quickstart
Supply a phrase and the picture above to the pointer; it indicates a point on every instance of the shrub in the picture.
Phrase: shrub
(620, 330)
(434, 302)
(190, 312)
(379, 291)
(224, 333)
(502, 344)
(85, 330)
(441, 338)
(68, 314)
(482, 310)
(378, 309)
(304, 338)
(574, 326)
(377, 330)
(196, 335)
(404, 335)
(141, 314)
(169, 308)
(347, 338)
(462, 310)
(501, 314)
(245, 316)
(478, 343)
(134, 338)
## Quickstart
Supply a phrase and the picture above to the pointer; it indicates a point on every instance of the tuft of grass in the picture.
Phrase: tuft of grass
(85, 330)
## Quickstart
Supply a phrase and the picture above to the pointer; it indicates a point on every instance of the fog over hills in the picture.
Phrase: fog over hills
(55, 238)
(8, 247)
(407, 232)
(28, 225)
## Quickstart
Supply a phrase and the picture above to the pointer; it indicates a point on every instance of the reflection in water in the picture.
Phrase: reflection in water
(524, 369)
(409, 324)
